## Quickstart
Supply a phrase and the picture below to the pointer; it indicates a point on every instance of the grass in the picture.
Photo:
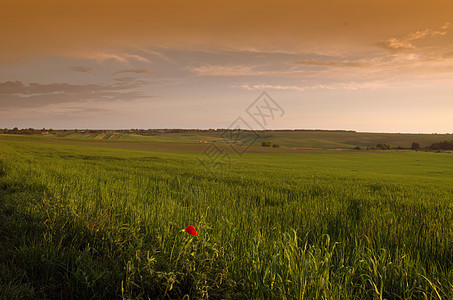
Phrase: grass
(286, 139)
(348, 140)
(80, 221)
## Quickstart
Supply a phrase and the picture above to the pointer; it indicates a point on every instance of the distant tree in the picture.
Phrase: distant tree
(275, 145)
(357, 148)
(445, 145)
(384, 146)
(415, 146)
(266, 144)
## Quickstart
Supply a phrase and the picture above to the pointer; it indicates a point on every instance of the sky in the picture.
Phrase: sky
(376, 66)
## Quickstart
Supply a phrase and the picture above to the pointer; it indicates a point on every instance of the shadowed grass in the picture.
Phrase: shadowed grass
(87, 222)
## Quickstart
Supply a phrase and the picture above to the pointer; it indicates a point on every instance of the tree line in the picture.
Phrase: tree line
(444, 145)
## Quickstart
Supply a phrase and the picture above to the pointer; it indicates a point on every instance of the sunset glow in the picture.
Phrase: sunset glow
(381, 66)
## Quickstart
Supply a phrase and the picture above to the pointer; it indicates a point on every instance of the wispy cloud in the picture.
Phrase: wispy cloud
(406, 43)
(136, 57)
(253, 87)
(156, 53)
(101, 57)
(18, 94)
(221, 70)
(279, 70)
(333, 63)
(81, 69)
(119, 57)
(138, 71)
(316, 86)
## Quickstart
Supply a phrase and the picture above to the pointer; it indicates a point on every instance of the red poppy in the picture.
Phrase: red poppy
(191, 230)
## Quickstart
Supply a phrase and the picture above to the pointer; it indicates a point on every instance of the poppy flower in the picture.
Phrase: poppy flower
(191, 230)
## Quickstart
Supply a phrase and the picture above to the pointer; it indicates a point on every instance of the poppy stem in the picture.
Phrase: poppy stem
(182, 249)
(173, 247)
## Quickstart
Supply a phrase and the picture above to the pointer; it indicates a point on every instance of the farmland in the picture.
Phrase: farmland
(86, 218)
(187, 140)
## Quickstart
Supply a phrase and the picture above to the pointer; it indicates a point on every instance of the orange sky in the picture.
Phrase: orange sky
(80, 27)
(370, 60)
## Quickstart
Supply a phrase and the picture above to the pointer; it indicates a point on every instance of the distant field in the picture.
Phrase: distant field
(84, 218)
(289, 141)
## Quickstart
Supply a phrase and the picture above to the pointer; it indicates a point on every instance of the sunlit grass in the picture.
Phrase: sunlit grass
(81, 221)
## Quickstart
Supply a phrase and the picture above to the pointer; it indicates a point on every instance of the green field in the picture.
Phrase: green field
(105, 219)
(287, 139)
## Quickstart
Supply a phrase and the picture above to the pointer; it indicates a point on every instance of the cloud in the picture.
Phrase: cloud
(81, 69)
(119, 57)
(138, 71)
(273, 67)
(156, 53)
(254, 87)
(405, 43)
(219, 70)
(355, 67)
(293, 27)
(317, 86)
(332, 63)
(17, 94)
(104, 56)
(137, 57)
(396, 44)
(242, 70)
(262, 51)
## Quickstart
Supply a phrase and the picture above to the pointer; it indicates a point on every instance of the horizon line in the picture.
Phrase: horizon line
(219, 129)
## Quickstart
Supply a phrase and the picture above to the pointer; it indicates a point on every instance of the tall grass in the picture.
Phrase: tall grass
(86, 222)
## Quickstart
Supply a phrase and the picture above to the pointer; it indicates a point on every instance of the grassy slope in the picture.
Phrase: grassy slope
(351, 139)
(298, 139)
(90, 221)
